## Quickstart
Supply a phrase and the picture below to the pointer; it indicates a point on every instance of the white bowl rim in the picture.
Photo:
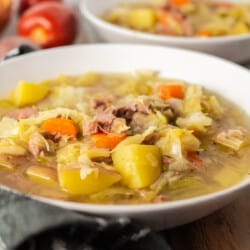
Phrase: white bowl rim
(155, 38)
(108, 209)
(116, 209)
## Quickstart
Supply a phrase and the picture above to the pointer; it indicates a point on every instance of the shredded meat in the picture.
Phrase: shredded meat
(55, 137)
(178, 17)
(36, 144)
(101, 103)
(90, 127)
(23, 113)
(105, 120)
(108, 120)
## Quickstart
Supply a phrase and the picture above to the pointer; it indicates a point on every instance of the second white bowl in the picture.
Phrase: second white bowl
(234, 48)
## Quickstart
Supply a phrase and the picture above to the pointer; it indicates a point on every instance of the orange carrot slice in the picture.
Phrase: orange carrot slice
(204, 33)
(60, 125)
(179, 3)
(108, 141)
(170, 91)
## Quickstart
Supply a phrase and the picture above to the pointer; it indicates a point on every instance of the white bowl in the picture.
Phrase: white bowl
(235, 48)
(225, 78)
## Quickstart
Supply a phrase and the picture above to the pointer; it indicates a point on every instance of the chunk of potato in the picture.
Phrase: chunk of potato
(42, 174)
(240, 29)
(139, 165)
(142, 19)
(95, 180)
(28, 93)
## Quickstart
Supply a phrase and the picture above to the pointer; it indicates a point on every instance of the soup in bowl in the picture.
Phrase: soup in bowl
(126, 138)
(190, 18)
(215, 27)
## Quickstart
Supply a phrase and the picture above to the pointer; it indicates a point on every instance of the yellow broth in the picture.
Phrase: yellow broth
(153, 117)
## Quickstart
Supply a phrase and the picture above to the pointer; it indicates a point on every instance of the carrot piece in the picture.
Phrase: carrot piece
(61, 126)
(163, 17)
(179, 3)
(204, 33)
(170, 91)
(109, 141)
(166, 17)
(194, 158)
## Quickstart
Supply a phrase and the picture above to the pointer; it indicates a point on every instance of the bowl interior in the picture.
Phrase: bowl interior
(223, 77)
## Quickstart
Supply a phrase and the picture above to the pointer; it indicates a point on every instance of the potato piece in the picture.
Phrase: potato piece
(94, 180)
(240, 29)
(28, 93)
(42, 174)
(142, 19)
(139, 165)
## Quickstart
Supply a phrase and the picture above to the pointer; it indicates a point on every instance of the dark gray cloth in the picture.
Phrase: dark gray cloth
(26, 224)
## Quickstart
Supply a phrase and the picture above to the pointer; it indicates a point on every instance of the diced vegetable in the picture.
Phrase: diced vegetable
(61, 126)
(94, 179)
(170, 21)
(94, 153)
(108, 141)
(204, 33)
(240, 29)
(179, 3)
(8, 127)
(175, 142)
(234, 139)
(212, 106)
(68, 154)
(195, 121)
(43, 174)
(194, 158)
(192, 100)
(28, 93)
(65, 113)
(135, 139)
(10, 149)
(170, 91)
(142, 19)
(139, 165)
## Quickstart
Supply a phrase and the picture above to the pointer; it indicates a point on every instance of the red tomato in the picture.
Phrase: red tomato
(49, 24)
(26, 4)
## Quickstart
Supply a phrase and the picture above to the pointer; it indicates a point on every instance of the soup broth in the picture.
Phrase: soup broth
(120, 139)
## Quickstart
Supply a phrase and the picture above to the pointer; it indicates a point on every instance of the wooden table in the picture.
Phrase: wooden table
(227, 229)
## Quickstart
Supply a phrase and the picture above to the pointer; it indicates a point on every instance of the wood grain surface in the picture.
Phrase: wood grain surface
(227, 229)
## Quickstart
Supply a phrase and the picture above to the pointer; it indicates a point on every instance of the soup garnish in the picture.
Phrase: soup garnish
(120, 139)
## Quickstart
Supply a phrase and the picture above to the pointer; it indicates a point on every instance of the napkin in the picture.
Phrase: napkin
(27, 224)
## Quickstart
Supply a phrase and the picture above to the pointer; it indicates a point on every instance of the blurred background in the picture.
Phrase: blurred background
(18, 18)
